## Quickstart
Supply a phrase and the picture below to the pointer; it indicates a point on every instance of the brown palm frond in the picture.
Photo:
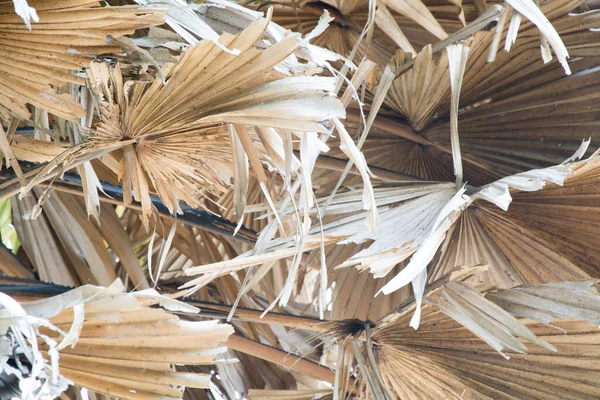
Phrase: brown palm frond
(172, 135)
(67, 37)
(509, 114)
(525, 244)
(408, 25)
(112, 342)
(252, 373)
(432, 224)
(368, 305)
(205, 20)
(454, 354)
(256, 394)
(75, 253)
(532, 256)
(197, 149)
(90, 251)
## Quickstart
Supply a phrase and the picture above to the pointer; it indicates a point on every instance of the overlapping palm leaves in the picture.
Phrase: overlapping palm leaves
(91, 330)
(419, 218)
(510, 109)
(173, 136)
(459, 246)
(407, 25)
(227, 106)
(454, 353)
(67, 36)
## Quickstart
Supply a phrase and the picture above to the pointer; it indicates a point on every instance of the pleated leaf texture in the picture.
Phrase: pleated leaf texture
(173, 135)
(537, 329)
(69, 34)
(513, 106)
(431, 228)
(206, 151)
(112, 342)
(397, 24)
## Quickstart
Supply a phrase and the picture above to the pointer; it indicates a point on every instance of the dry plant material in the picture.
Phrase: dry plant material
(108, 341)
(426, 188)
(261, 394)
(65, 247)
(346, 304)
(550, 38)
(494, 325)
(427, 223)
(12, 266)
(407, 25)
(193, 23)
(528, 243)
(62, 243)
(173, 136)
(40, 245)
(510, 118)
(38, 57)
(453, 354)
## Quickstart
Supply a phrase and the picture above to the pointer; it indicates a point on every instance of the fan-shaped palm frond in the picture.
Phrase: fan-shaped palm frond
(290, 222)
(450, 354)
(94, 330)
(289, 394)
(509, 108)
(172, 135)
(408, 25)
(39, 58)
(420, 220)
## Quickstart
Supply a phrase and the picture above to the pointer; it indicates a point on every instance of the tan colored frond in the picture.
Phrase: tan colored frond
(113, 342)
(406, 24)
(67, 37)
(173, 136)
(258, 394)
(511, 110)
(454, 354)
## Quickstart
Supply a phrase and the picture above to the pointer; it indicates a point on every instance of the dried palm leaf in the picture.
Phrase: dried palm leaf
(256, 394)
(251, 372)
(65, 247)
(345, 303)
(27, 13)
(40, 245)
(207, 20)
(446, 360)
(457, 54)
(547, 303)
(111, 342)
(253, 104)
(519, 251)
(81, 251)
(399, 24)
(36, 151)
(546, 262)
(420, 222)
(86, 251)
(67, 36)
(10, 265)
(497, 327)
(151, 121)
(508, 111)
